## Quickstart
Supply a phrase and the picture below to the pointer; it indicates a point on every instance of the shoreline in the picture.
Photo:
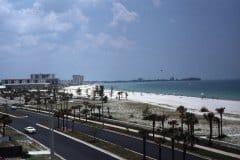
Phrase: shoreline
(193, 104)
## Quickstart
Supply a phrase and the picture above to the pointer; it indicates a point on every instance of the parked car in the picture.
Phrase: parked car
(30, 130)
(13, 107)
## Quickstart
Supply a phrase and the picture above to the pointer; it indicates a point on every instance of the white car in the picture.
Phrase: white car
(30, 129)
(13, 107)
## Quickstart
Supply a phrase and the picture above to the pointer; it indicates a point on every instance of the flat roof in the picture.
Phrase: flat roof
(27, 84)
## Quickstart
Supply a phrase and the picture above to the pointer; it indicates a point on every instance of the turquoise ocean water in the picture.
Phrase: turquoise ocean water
(220, 89)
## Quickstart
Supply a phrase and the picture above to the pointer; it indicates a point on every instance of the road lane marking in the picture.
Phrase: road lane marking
(190, 153)
(36, 141)
(83, 142)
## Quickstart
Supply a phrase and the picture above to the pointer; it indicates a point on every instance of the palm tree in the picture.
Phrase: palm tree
(191, 119)
(74, 111)
(186, 138)
(144, 133)
(99, 112)
(79, 110)
(209, 117)
(92, 108)
(5, 119)
(58, 115)
(74, 115)
(217, 120)
(163, 118)
(101, 94)
(221, 111)
(62, 114)
(38, 99)
(172, 133)
(79, 106)
(27, 98)
(79, 91)
(67, 112)
(85, 111)
(182, 110)
(153, 118)
(160, 141)
(173, 123)
(204, 109)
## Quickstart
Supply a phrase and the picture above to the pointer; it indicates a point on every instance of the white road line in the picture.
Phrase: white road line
(13, 115)
(85, 143)
(197, 146)
(36, 142)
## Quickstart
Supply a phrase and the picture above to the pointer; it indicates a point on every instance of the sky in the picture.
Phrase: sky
(120, 39)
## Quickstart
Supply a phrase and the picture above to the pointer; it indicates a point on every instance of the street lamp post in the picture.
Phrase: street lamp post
(52, 134)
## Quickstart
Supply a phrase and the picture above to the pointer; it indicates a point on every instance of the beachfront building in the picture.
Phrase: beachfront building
(41, 81)
(77, 79)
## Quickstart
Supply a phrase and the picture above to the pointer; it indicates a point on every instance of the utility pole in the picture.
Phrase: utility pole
(52, 134)
(51, 119)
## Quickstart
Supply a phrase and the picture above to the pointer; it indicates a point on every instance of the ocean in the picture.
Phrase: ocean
(217, 89)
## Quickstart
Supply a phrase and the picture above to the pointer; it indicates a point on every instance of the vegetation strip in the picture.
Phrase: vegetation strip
(83, 142)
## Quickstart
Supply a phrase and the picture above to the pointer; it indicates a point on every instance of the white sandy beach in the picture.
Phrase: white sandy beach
(193, 104)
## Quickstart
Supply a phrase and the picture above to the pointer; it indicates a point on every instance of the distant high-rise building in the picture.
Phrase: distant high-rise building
(77, 79)
(35, 81)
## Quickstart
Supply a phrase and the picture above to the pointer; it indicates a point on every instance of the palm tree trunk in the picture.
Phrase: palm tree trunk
(219, 134)
(184, 151)
(182, 124)
(102, 105)
(73, 125)
(4, 125)
(153, 128)
(63, 122)
(58, 118)
(99, 113)
(221, 126)
(173, 156)
(159, 151)
(144, 147)
(210, 125)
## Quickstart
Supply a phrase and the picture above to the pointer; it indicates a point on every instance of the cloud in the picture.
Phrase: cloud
(48, 28)
(121, 14)
(103, 40)
(156, 3)
(36, 20)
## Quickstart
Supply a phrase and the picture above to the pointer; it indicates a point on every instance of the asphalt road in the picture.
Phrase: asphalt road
(69, 148)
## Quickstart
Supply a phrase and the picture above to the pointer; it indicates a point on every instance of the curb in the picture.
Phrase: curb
(83, 142)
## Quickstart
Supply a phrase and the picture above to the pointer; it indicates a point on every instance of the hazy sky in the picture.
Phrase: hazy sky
(120, 39)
